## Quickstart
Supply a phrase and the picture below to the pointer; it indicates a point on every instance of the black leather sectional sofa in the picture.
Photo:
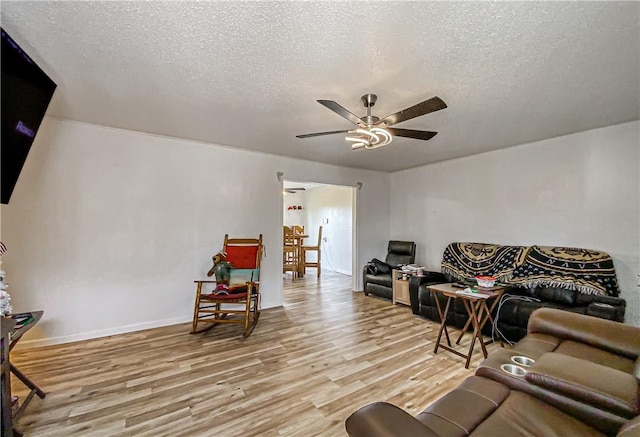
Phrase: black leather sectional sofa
(517, 306)
(521, 299)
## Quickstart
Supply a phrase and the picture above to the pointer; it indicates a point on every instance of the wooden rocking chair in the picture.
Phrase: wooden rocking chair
(214, 307)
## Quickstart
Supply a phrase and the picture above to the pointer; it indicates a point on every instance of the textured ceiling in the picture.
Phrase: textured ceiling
(248, 74)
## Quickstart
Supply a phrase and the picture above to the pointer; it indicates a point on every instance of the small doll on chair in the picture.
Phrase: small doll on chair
(221, 269)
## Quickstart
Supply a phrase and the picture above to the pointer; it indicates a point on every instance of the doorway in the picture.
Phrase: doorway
(331, 206)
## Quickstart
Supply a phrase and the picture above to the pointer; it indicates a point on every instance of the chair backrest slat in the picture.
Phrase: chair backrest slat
(244, 253)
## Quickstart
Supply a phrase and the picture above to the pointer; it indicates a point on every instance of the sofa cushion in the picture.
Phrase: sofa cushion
(400, 252)
(380, 291)
(556, 294)
(516, 311)
(617, 338)
(521, 414)
(535, 344)
(586, 299)
(380, 279)
(383, 419)
(600, 386)
(595, 355)
(482, 407)
(406, 248)
(445, 415)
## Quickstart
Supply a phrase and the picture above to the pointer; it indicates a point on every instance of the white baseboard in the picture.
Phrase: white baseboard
(28, 344)
(342, 272)
(41, 342)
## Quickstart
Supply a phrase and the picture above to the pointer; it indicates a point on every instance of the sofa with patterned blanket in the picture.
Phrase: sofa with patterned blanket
(577, 280)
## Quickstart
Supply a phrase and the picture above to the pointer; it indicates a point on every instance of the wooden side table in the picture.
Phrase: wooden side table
(477, 309)
(400, 288)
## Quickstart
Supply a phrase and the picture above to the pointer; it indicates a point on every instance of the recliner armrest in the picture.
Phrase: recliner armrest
(608, 335)
(606, 310)
(416, 281)
(382, 419)
(590, 383)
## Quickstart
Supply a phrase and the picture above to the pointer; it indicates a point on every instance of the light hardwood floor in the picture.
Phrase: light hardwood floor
(305, 369)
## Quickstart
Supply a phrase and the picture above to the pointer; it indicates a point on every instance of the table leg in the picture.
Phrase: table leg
(482, 306)
(26, 381)
(488, 317)
(443, 321)
(466, 326)
(471, 310)
(34, 390)
(301, 260)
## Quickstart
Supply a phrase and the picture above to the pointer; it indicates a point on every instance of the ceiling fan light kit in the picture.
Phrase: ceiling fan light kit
(370, 138)
(372, 132)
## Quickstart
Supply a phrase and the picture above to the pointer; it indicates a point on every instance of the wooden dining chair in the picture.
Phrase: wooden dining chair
(290, 254)
(316, 248)
(297, 229)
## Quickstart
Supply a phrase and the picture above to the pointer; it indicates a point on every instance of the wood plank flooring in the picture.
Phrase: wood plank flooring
(305, 369)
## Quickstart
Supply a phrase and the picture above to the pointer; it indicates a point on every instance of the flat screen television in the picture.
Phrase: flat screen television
(25, 92)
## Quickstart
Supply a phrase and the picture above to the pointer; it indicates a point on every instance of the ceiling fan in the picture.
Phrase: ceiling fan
(292, 190)
(373, 132)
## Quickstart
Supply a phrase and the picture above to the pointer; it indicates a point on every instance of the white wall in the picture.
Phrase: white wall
(334, 204)
(295, 216)
(107, 229)
(580, 190)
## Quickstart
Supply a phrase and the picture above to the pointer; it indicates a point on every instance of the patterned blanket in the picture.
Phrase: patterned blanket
(583, 270)
(468, 260)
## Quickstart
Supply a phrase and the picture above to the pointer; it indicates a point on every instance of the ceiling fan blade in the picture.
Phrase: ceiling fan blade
(410, 133)
(293, 190)
(342, 112)
(317, 134)
(426, 107)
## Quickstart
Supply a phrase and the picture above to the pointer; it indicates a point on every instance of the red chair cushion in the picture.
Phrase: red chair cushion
(235, 292)
(242, 257)
(226, 296)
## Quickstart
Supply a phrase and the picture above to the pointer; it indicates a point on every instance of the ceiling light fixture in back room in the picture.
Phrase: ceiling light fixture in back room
(372, 132)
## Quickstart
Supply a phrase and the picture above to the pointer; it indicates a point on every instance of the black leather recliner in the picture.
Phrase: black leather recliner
(378, 281)
(517, 306)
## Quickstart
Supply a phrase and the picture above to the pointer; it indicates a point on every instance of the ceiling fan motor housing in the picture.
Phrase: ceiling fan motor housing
(369, 100)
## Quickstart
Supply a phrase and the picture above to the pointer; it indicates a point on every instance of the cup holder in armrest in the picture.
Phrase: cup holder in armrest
(512, 369)
(523, 361)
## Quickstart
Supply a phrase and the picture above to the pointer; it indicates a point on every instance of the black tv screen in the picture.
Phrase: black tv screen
(25, 92)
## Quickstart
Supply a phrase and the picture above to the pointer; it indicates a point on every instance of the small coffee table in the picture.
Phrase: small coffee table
(477, 309)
